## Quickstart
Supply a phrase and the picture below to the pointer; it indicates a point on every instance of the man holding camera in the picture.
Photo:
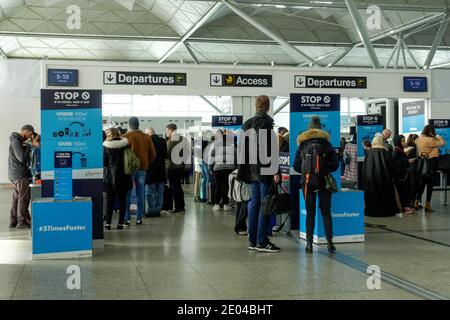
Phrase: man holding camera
(19, 174)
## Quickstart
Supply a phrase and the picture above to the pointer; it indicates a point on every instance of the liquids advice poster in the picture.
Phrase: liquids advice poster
(302, 108)
(71, 121)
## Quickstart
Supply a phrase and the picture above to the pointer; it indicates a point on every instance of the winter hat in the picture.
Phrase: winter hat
(315, 123)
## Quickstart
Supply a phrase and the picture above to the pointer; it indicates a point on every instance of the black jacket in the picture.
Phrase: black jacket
(378, 186)
(316, 135)
(252, 172)
(157, 170)
(114, 177)
(19, 158)
(400, 165)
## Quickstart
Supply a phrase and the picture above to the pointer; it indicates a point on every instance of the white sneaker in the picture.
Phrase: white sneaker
(216, 208)
(226, 208)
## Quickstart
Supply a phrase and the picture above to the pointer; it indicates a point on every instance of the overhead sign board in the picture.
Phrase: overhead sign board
(415, 84)
(144, 78)
(327, 82)
(241, 80)
(62, 78)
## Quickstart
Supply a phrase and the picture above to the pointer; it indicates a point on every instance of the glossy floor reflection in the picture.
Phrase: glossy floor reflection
(198, 256)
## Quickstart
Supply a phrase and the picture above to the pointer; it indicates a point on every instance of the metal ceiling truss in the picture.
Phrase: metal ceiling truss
(3, 54)
(390, 33)
(332, 5)
(437, 41)
(281, 107)
(191, 31)
(406, 48)
(212, 105)
(191, 52)
(292, 51)
(363, 34)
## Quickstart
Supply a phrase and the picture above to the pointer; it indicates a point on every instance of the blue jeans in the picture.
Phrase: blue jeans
(154, 193)
(257, 222)
(139, 178)
(205, 180)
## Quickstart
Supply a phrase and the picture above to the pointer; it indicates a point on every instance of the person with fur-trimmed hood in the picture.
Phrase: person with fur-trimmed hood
(116, 183)
(315, 159)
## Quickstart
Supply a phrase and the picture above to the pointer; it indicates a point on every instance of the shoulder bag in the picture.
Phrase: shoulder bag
(276, 203)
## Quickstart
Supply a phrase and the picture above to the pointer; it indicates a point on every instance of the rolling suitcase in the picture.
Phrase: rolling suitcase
(167, 199)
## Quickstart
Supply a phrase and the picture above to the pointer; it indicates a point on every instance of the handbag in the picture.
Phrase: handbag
(276, 203)
(330, 183)
(424, 169)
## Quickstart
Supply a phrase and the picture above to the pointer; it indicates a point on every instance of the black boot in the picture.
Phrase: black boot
(331, 247)
(309, 247)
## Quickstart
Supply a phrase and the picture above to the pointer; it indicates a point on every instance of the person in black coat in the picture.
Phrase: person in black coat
(400, 164)
(156, 176)
(258, 174)
(411, 152)
(116, 183)
(378, 185)
(315, 137)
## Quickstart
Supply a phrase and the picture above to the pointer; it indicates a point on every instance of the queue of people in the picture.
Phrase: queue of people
(396, 175)
(143, 162)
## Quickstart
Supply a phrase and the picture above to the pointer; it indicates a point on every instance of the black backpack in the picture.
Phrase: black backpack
(313, 164)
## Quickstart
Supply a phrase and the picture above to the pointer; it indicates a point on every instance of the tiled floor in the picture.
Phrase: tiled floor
(198, 256)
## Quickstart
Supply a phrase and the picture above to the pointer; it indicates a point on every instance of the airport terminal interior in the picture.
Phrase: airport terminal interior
(82, 81)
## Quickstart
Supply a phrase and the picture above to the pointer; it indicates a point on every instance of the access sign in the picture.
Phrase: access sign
(241, 80)
(322, 82)
(144, 78)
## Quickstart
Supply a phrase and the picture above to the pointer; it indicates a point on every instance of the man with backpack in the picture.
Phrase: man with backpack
(142, 146)
(316, 159)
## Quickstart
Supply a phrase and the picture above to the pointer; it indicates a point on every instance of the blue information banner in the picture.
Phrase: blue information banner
(63, 176)
(62, 78)
(415, 84)
(302, 108)
(442, 127)
(306, 106)
(62, 229)
(72, 122)
(367, 127)
(413, 116)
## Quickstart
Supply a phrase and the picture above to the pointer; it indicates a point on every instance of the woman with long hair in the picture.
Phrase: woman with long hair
(428, 145)
(411, 153)
(401, 178)
(115, 182)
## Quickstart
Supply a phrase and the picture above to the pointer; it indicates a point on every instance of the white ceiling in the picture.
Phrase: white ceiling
(144, 30)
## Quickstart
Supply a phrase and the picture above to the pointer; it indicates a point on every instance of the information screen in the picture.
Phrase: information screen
(62, 78)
